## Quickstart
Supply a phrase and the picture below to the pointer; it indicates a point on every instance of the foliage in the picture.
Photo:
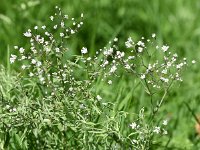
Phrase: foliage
(45, 100)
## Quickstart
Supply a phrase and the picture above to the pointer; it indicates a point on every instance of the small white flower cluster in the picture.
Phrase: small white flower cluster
(142, 132)
(43, 60)
(157, 72)
(156, 66)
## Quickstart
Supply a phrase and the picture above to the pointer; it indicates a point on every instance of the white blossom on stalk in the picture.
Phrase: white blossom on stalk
(72, 31)
(51, 18)
(164, 79)
(57, 49)
(39, 63)
(113, 69)
(15, 47)
(129, 43)
(55, 26)
(31, 74)
(99, 97)
(115, 39)
(13, 58)
(143, 76)
(153, 35)
(28, 33)
(36, 27)
(62, 24)
(21, 50)
(109, 82)
(43, 27)
(84, 50)
(140, 43)
(23, 67)
(33, 61)
(133, 125)
(165, 122)
(140, 49)
(61, 34)
(165, 48)
(193, 61)
(156, 130)
(108, 52)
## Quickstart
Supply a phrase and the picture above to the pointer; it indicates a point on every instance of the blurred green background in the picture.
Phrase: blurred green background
(176, 22)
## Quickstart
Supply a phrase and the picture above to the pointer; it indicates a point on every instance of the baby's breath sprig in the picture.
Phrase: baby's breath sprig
(44, 60)
(69, 97)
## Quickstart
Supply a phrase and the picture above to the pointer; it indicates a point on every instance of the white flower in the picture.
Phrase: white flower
(47, 33)
(164, 71)
(71, 89)
(21, 50)
(153, 35)
(66, 16)
(140, 43)
(23, 57)
(51, 17)
(15, 47)
(61, 34)
(36, 27)
(39, 63)
(43, 27)
(72, 31)
(133, 125)
(115, 39)
(48, 49)
(57, 49)
(31, 74)
(179, 65)
(131, 57)
(140, 49)
(156, 130)
(14, 109)
(62, 24)
(165, 48)
(157, 47)
(33, 61)
(55, 26)
(81, 15)
(165, 132)
(23, 67)
(41, 79)
(109, 82)
(143, 76)
(99, 97)
(13, 58)
(175, 55)
(165, 122)
(84, 50)
(129, 43)
(108, 51)
(193, 61)
(120, 54)
(113, 69)
(28, 34)
(127, 66)
(164, 79)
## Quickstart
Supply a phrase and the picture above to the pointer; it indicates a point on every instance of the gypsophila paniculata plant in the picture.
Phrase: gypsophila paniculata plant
(57, 105)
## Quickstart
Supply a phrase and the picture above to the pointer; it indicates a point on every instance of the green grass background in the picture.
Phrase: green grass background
(176, 22)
